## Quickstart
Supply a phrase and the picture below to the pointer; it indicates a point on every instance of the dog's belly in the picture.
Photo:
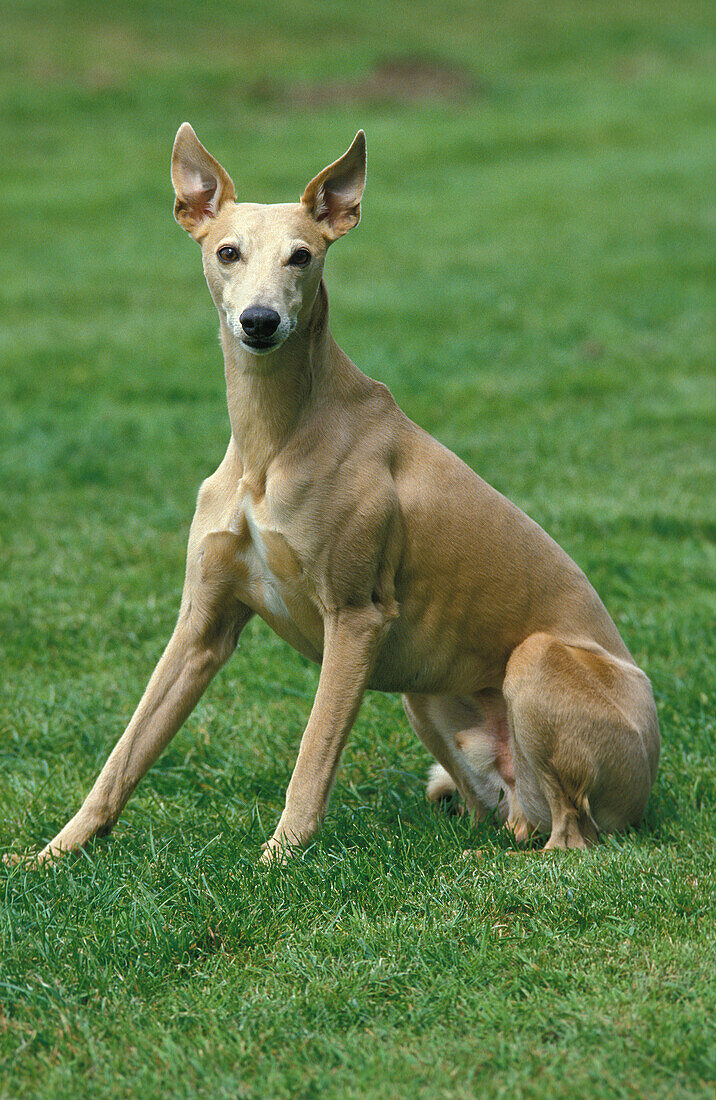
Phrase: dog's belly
(410, 662)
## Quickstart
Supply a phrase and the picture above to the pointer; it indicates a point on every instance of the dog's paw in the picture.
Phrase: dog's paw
(27, 860)
(521, 829)
(440, 785)
(275, 852)
(50, 854)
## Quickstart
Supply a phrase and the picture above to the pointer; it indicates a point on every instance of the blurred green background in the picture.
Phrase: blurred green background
(533, 278)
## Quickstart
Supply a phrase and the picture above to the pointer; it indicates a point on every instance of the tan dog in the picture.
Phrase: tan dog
(374, 551)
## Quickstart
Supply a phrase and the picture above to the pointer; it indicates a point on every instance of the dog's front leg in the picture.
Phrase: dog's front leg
(196, 651)
(352, 638)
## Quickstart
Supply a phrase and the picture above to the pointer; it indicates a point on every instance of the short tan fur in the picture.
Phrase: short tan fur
(374, 551)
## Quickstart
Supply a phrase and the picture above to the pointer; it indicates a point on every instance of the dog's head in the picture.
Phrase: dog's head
(263, 264)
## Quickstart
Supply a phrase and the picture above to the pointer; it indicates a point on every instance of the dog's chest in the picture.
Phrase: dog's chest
(272, 563)
(274, 580)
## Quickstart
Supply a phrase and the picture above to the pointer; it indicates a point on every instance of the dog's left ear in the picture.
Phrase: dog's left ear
(201, 184)
(333, 196)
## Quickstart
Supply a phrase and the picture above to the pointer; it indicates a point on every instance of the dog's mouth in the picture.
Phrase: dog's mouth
(259, 344)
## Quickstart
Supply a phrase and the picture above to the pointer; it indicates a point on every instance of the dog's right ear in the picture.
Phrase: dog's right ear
(201, 184)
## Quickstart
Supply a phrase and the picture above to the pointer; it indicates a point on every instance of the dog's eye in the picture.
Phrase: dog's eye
(300, 258)
(228, 254)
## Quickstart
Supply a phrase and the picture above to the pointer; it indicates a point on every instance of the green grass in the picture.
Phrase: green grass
(532, 279)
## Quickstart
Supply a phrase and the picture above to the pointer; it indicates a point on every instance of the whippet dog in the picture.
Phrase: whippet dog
(378, 554)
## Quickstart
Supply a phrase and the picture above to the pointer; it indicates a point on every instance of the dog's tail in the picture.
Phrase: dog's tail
(440, 783)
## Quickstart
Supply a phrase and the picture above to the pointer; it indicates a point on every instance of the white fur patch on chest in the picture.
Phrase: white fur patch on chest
(257, 560)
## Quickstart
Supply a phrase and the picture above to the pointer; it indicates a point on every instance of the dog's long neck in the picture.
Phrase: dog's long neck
(268, 395)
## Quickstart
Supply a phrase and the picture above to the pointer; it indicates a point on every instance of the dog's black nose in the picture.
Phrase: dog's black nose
(259, 322)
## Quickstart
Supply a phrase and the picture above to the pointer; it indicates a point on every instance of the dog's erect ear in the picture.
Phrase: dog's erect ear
(333, 197)
(201, 184)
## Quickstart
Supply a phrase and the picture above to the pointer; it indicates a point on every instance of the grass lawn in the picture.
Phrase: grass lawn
(533, 279)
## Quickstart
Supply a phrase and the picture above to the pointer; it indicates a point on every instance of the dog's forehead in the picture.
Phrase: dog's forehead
(267, 223)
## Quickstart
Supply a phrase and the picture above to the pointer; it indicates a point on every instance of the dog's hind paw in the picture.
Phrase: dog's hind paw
(440, 784)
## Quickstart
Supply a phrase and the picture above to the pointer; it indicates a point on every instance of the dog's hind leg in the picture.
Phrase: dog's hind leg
(468, 737)
(585, 739)
(206, 634)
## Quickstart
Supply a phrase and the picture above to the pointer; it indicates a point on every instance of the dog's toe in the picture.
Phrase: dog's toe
(275, 852)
